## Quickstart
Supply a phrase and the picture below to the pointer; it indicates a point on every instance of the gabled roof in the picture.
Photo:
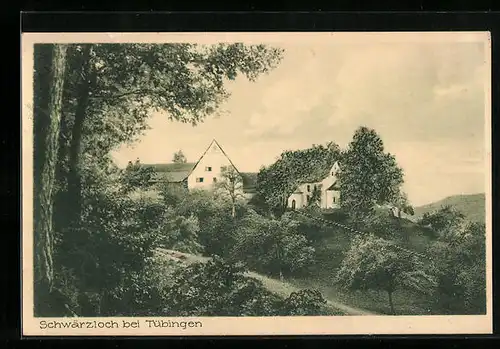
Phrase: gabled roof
(334, 186)
(172, 172)
(206, 150)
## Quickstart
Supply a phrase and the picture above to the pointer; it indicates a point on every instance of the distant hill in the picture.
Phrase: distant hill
(472, 206)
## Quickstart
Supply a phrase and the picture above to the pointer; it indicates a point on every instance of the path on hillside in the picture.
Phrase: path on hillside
(281, 288)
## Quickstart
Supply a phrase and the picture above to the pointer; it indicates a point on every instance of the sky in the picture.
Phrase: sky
(425, 99)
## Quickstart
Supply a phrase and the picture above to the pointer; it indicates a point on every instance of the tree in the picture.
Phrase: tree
(305, 302)
(231, 185)
(137, 176)
(50, 65)
(402, 205)
(368, 176)
(179, 158)
(114, 87)
(460, 267)
(109, 92)
(217, 288)
(445, 220)
(373, 263)
(272, 246)
(276, 182)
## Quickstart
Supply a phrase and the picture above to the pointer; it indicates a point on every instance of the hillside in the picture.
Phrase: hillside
(472, 206)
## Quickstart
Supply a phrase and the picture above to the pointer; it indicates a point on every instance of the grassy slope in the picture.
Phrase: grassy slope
(330, 252)
(472, 206)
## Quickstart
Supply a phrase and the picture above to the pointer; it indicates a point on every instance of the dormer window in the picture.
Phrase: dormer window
(208, 169)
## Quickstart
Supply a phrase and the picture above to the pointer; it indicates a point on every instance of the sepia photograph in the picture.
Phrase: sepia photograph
(256, 183)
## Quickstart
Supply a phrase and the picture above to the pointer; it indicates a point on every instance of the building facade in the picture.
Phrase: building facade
(205, 173)
(326, 191)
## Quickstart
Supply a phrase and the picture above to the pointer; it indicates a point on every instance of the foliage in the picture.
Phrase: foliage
(460, 265)
(272, 246)
(217, 226)
(368, 176)
(305, 302)
(444, 221)
(179, 157)
(373, 263)
(276, 182)
(231, 186)
(181, 234)
(216, 288)
(104, 226)
(137, 176)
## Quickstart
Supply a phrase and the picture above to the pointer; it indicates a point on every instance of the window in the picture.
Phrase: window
(332, 173)
(315, 187)
(199, 179)
(308, 187)
(293, 204)
(333, 199)
(215, 179)
(208, 168)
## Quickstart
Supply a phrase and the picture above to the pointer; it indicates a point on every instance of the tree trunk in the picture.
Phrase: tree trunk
(50, 65)
(74, 176)
(391, 304)
(233, 207)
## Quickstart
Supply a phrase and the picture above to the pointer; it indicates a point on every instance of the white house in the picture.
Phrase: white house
(204, 173)
(329, 191)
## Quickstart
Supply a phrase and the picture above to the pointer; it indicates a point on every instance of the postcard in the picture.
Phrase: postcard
(186, 184)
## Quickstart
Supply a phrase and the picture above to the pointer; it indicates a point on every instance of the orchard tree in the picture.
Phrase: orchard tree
(373, 263)
(444, 221)
(231, 185)
(368, 176)
(460, 266)
(179, 158)
(273, 246)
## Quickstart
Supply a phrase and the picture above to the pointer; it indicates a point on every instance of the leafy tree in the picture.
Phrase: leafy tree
(231, 185)
(315, 197)
(179, 158)
(373, 263)
(109, 92)
(172, 193)
(276, 182)
(460, 266)
(443, 221)
(402, 204)
(368, 176)
(50, 69)
(272, 246)
(137, 176)
(181, 234)
(217, 226)
(305, 302)
(217, 288)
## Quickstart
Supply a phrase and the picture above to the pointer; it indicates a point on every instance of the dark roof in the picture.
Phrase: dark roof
(249, 181)
(172, 172)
